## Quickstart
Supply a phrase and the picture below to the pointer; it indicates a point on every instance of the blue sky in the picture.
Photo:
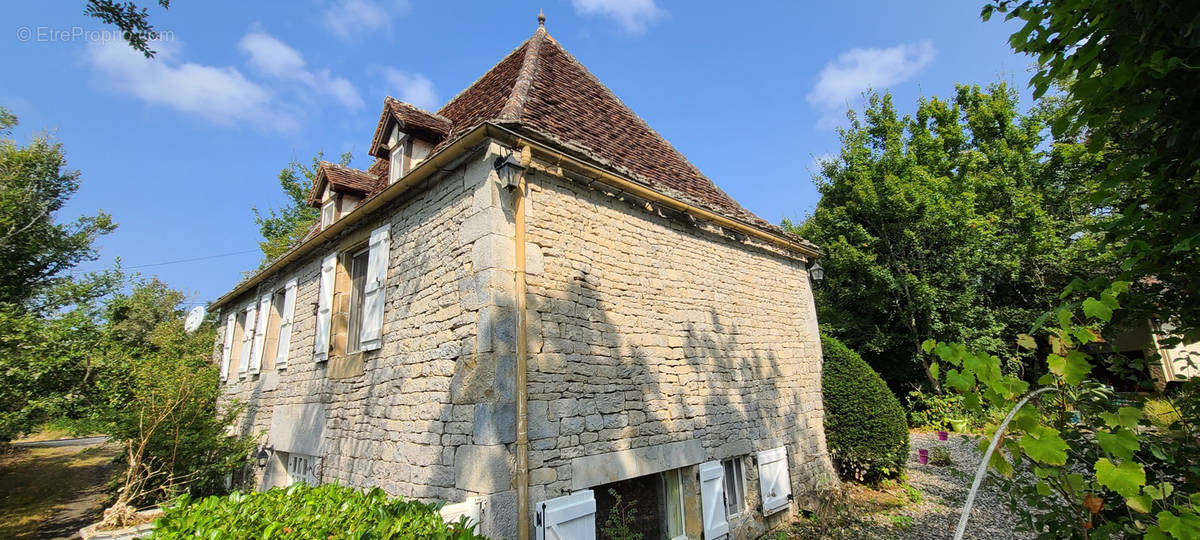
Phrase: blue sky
(180, 148)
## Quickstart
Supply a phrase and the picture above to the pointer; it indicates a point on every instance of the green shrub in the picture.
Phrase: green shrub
(303, 512)
(865, 427)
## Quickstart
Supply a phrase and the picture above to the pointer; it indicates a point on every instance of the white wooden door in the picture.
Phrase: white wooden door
(572, 517)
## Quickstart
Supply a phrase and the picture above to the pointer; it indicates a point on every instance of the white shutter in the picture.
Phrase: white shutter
(260, 333)
(471, 509)
(285, 324)
(227, 350)
(773, 480)
(375, 290)
(712, 500)
(247, 341)
(572, 517)
(324, 308)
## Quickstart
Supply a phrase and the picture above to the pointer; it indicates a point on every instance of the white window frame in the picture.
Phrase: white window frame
(329, 212)
(737, 497)
(396, 159)
(666, 477)
(301, 468)
(357, 302)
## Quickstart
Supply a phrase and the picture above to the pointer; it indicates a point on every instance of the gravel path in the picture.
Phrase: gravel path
(937, 515)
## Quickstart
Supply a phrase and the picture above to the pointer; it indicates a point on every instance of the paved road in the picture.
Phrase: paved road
(85, 441)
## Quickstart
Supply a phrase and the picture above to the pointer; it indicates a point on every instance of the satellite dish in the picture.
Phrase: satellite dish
(194, 318)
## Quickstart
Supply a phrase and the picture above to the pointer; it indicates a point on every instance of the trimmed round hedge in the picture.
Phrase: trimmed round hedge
(865, 428)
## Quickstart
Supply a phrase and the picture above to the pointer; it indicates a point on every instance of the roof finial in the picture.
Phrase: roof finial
(541, 18)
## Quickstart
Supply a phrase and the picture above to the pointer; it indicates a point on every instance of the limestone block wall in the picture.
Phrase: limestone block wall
(411, 416)
(647, 331)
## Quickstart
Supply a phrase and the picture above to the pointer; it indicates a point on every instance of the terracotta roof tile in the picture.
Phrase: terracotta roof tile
(343, 179)
(542, 87)
(425, 124)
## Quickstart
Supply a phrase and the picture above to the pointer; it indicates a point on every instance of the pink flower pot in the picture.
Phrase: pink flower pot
(942, 435)
(923, 456)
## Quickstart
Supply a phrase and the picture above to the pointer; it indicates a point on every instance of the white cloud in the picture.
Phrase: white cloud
(352, 18)
(412, 88)
(221, 95)
(275, 58)
(857, 70)
(633, 15)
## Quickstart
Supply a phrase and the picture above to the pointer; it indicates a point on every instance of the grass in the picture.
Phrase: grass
(39, 485)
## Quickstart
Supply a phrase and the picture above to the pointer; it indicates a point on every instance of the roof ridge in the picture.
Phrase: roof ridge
(489, 71)
(520, 92)
(418, 109)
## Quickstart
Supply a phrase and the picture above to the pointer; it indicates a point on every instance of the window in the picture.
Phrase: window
(672, 505)
(274, 318)
(328, 212)
(301, 468)
(735, 487)
(398, 165)
(358, 278)
(235, 341)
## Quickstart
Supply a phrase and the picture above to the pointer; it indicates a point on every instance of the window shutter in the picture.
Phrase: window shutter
(773, 480)
(227, 350)
(712, 500)
(247, 340)
(572, 517)
(324, 308)
(260, 333)
(285, 324)
(375, 289)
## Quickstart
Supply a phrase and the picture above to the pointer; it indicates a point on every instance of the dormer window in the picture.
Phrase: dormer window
(400, 156)
(328, 212)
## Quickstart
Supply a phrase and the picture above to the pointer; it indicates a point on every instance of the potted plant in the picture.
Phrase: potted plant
(959, 425)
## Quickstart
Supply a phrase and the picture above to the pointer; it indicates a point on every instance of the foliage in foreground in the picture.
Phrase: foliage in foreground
(1077, 461)
(864, 423)
(304, 512)
(1131, 75)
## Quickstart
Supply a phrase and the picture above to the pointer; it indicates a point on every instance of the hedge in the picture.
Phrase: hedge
(865, 427)
(303, 512)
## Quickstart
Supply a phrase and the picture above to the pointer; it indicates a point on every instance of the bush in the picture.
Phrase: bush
(865, 426)
(304, 512)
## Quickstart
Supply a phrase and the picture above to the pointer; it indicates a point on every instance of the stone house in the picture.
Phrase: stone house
(529, 302)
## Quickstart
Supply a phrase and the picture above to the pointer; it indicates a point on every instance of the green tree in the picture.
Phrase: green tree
(961, 221)
(283, 228)
(1131, 74)
(36, 251)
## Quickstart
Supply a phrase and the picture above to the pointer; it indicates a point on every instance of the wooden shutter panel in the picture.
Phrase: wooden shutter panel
(285, 324)
(375, 290)
(324, 308)
(227, 349)
(572, 517)
(247, 340)
(260, 333)
(712, 500)
(773, 480)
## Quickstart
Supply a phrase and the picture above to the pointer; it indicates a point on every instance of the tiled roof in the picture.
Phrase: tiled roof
(343, 179)
(432, 126)
(541, 87)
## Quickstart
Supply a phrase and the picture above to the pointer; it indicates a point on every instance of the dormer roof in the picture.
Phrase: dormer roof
(410, 119)
(341, 179)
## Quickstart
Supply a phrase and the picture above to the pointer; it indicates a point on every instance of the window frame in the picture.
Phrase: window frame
(329, 212)
(735, 486)
(274, 325)
(666, 476)
(398, 159)
(357, 292)
(307, 463)
(233, 370)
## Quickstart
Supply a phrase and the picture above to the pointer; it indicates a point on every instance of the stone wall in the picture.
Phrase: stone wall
(653, 332)
(653, 345)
